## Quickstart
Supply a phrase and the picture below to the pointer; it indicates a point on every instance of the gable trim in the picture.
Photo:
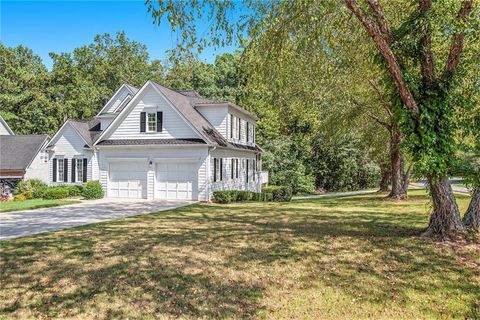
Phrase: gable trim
(114, 95)
(42, 146)
(57, 135)
(5, 124)
(127, 109)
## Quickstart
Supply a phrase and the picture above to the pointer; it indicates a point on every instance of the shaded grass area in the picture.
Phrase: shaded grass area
(8, 206)
(338, 258)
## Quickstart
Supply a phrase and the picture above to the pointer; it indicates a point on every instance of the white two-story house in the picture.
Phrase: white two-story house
(159, 143)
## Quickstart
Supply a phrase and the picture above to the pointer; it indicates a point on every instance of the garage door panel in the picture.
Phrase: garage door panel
(176, 180)
(127, 180)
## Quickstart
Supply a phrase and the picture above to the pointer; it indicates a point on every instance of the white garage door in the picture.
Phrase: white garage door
(176, 181)
(128, 180)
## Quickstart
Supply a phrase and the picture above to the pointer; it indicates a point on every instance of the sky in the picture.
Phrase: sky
(61, 26)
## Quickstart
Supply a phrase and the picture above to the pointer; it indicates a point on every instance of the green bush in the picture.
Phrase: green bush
(278, 193)
(74, 191)
(36, 188)
(56, 193)
(244, 195)
(23, 196)
(92, 190)
(270, 193)
(224, 196)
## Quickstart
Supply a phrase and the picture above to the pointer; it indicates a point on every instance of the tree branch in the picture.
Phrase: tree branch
(381, 21)
(456, 47)
(426, 62)
(388, 108)
(388, 56)
(371, 115)
(379, 121)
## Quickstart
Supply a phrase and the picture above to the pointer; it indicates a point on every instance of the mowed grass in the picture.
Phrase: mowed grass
(8, 206)
(343, 258)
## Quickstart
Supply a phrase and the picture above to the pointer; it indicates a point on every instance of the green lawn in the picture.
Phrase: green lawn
(32, 204)
(344, 258)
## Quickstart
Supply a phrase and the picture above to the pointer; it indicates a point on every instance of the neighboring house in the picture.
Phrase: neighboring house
(4, 128)
(159, 143)
(22, 157)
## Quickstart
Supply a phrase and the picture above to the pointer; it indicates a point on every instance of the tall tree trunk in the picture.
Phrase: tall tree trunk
(398, 191)
(471, 220)
(406, 177)
(386, 176)
(445, 221)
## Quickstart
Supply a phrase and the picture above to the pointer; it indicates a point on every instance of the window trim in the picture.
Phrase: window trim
(147, 122)
(60, 164)
(77, 161)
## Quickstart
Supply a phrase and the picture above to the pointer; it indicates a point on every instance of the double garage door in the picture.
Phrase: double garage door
(173, 180)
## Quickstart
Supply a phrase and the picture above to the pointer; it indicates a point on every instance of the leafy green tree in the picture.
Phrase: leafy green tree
(85, 79)
(410, 39)
(285, 161)
(410, 51)
(25, 92)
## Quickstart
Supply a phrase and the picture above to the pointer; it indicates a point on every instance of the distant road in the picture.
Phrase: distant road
(456, 188)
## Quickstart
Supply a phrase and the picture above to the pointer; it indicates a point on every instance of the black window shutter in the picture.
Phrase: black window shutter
(253, 169)
(231, 126)
(214, 169)
(248, 131)
(239, 129)
(54, 170)
(236, 168)
(159, 121)
(65, 170)
(221, 169)
(74, 167)
(231, 169)
(84, 169)
(246, 170)
(143, 118)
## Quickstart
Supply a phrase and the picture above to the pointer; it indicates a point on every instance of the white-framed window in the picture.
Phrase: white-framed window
(79, 168)
(151, 122)
(60, 169)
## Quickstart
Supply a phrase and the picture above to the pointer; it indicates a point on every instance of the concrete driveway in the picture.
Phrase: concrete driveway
(24, 223)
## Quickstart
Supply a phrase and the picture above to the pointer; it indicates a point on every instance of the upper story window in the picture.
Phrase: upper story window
(232, 126)
(151, 122)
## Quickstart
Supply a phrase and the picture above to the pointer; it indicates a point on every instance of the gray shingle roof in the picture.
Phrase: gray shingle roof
(126, 142)
(89, 130)
(185, 101)
(18, 151)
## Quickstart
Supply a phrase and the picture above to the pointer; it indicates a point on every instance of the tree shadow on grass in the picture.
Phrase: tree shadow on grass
(204, 261)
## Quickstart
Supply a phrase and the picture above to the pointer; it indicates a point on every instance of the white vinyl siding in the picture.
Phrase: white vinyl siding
(217, 116)
(69, 145)
(38, 169)
(240, 181)
(174, 125)
(237, 128)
